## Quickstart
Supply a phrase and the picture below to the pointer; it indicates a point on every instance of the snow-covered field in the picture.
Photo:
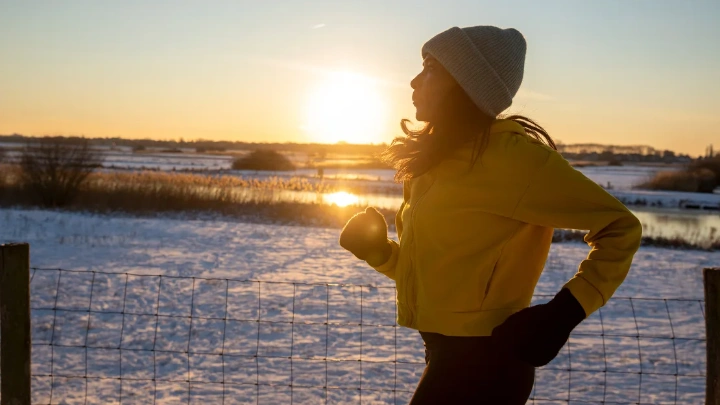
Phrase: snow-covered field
(619, 177)
(297, 325)
(622, 177)
(660, 212)
(692, 225)
(383, 192)
(167, 161)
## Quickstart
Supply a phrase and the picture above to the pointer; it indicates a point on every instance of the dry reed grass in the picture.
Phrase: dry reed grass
(701, 176)
(255, 200)
(273, 199)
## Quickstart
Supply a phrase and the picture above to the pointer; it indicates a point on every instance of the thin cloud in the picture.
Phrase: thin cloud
(306, 67)
(316, 26)
(533, 95)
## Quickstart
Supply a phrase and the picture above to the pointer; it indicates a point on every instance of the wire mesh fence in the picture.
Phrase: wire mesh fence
(122, 338)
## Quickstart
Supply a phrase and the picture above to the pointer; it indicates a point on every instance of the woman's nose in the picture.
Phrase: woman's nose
(415, 82)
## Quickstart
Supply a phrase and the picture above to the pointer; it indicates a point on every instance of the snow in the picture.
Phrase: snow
(166, 161)
(270, 336)
(670, 199)
(622, 177)
(619, 177)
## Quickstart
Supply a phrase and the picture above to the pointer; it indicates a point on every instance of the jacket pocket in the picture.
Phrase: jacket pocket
(488, 284)
(455, 288)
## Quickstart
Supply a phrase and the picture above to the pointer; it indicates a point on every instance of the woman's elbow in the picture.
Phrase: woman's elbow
(634, 230)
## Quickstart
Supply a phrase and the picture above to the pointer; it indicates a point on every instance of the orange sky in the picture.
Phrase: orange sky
(611, 72)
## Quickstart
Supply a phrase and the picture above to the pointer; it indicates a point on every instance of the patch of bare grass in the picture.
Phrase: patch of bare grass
(701, 176)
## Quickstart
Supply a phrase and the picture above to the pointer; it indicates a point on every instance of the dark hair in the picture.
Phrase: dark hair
(460, 121)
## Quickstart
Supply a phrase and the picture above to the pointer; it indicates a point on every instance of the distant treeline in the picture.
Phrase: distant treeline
(620, 153)
(584, 152)
(617, 158)
(203, 145)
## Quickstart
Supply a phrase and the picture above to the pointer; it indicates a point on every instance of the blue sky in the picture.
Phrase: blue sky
(625, 72)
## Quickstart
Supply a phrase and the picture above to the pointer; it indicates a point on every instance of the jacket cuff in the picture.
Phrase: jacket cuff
(388, 268)
(586, 294)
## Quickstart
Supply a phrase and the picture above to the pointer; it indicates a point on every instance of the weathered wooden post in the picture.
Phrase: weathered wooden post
(15, 343)
(711, 279)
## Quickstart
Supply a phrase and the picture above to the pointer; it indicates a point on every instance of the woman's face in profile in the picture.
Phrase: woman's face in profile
(430, 87)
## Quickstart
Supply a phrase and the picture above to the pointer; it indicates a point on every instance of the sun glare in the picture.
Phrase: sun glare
(341, 199)
(347, 107)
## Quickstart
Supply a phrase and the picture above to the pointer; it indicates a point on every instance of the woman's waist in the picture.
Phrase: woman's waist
(465, 349)
(440, 342)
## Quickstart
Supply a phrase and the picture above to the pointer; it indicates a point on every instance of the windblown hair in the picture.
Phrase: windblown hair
(460, 122)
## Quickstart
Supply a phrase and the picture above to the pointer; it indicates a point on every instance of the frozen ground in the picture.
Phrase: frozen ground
(662, 213)
(669, 199)
(622, 177)
(619, 177)
(166, 161)
(261, 335)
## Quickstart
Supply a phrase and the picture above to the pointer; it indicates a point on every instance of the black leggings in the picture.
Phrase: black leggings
(470, 370)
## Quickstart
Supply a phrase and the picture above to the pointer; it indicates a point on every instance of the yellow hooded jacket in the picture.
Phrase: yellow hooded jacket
(473, 242)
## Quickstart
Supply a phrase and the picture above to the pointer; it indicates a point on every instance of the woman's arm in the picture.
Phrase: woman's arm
(388, 267)
(561, 197)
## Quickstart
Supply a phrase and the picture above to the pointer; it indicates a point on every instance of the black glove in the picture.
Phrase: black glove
(365, 236)
(536, 334)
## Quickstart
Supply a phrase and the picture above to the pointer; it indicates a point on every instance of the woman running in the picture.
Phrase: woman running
(482, 194)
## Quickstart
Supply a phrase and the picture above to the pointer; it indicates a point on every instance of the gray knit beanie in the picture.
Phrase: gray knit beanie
(486, 61)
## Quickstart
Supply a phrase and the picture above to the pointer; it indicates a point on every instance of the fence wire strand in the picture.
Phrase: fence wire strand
(119, 337)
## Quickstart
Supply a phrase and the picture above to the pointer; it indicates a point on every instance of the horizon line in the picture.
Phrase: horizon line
(181, 140)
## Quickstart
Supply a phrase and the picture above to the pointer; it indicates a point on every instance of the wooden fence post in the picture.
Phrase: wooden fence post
(15, 343)
(711, 279)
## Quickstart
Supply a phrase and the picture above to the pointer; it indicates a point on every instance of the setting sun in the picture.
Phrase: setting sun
(347, 107)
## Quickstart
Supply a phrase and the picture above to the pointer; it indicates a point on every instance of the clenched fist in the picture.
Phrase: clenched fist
(365, 236)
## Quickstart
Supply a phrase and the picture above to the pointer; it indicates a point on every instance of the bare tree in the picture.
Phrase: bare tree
(3, 155)
(54, 172)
